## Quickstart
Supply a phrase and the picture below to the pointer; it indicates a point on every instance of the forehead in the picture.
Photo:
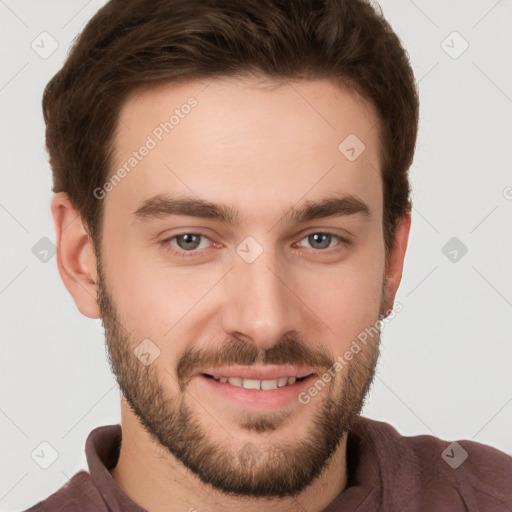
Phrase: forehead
(256, 146)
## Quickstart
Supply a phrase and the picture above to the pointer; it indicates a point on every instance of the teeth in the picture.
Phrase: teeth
(236, 381)
(258, 384)
(268, 384)
(282, 382)
(250, 384)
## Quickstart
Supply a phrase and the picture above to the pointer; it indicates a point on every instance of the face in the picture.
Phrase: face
(242, 253)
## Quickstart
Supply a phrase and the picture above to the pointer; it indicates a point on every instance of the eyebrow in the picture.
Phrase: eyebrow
(164, 205)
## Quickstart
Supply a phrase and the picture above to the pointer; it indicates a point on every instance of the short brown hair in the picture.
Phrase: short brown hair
(129, 44)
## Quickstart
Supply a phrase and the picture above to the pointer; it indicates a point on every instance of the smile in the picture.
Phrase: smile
(257, 384)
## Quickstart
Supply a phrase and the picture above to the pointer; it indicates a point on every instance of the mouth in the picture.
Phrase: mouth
(264, 385)
(276, 387)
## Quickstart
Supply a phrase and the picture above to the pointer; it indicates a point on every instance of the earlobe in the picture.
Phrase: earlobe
(395, 260)
(76, 260)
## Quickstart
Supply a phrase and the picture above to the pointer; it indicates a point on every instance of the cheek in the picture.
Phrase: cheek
(154, 300)
(349, 300)
(136, 286)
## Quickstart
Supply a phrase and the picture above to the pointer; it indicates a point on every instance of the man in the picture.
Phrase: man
(232, 200)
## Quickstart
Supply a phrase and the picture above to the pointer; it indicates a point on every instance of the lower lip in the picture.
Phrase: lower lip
(258, 398)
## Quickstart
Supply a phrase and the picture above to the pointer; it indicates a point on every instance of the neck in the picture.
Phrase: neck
(158, 482)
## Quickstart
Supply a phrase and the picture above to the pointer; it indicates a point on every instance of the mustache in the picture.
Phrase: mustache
(292, 351)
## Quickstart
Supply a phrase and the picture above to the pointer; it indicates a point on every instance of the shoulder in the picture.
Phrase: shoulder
(80, 494)
(472, 473)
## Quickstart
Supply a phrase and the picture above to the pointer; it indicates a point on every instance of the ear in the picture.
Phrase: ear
(395, 260)
(76, 260)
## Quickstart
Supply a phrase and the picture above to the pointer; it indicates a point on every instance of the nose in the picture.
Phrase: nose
(260, 306)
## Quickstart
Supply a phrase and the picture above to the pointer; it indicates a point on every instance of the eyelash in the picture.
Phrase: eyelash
(187, 254)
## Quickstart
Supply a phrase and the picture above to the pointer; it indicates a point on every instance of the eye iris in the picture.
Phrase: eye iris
(189, 239)
(314, 239)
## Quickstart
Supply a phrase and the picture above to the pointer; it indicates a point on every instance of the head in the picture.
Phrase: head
(232, 180)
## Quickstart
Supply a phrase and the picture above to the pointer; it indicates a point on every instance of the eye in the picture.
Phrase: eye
(321, 240)
(190, 244)
(185, 244)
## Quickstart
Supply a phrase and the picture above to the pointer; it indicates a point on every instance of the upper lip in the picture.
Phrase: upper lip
(269, 372)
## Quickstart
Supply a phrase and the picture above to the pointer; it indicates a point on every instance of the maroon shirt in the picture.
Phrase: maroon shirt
(386, 471)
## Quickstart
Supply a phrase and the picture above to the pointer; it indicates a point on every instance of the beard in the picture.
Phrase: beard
(256, 469)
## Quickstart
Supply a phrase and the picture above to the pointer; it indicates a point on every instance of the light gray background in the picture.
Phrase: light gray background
(446, 358)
